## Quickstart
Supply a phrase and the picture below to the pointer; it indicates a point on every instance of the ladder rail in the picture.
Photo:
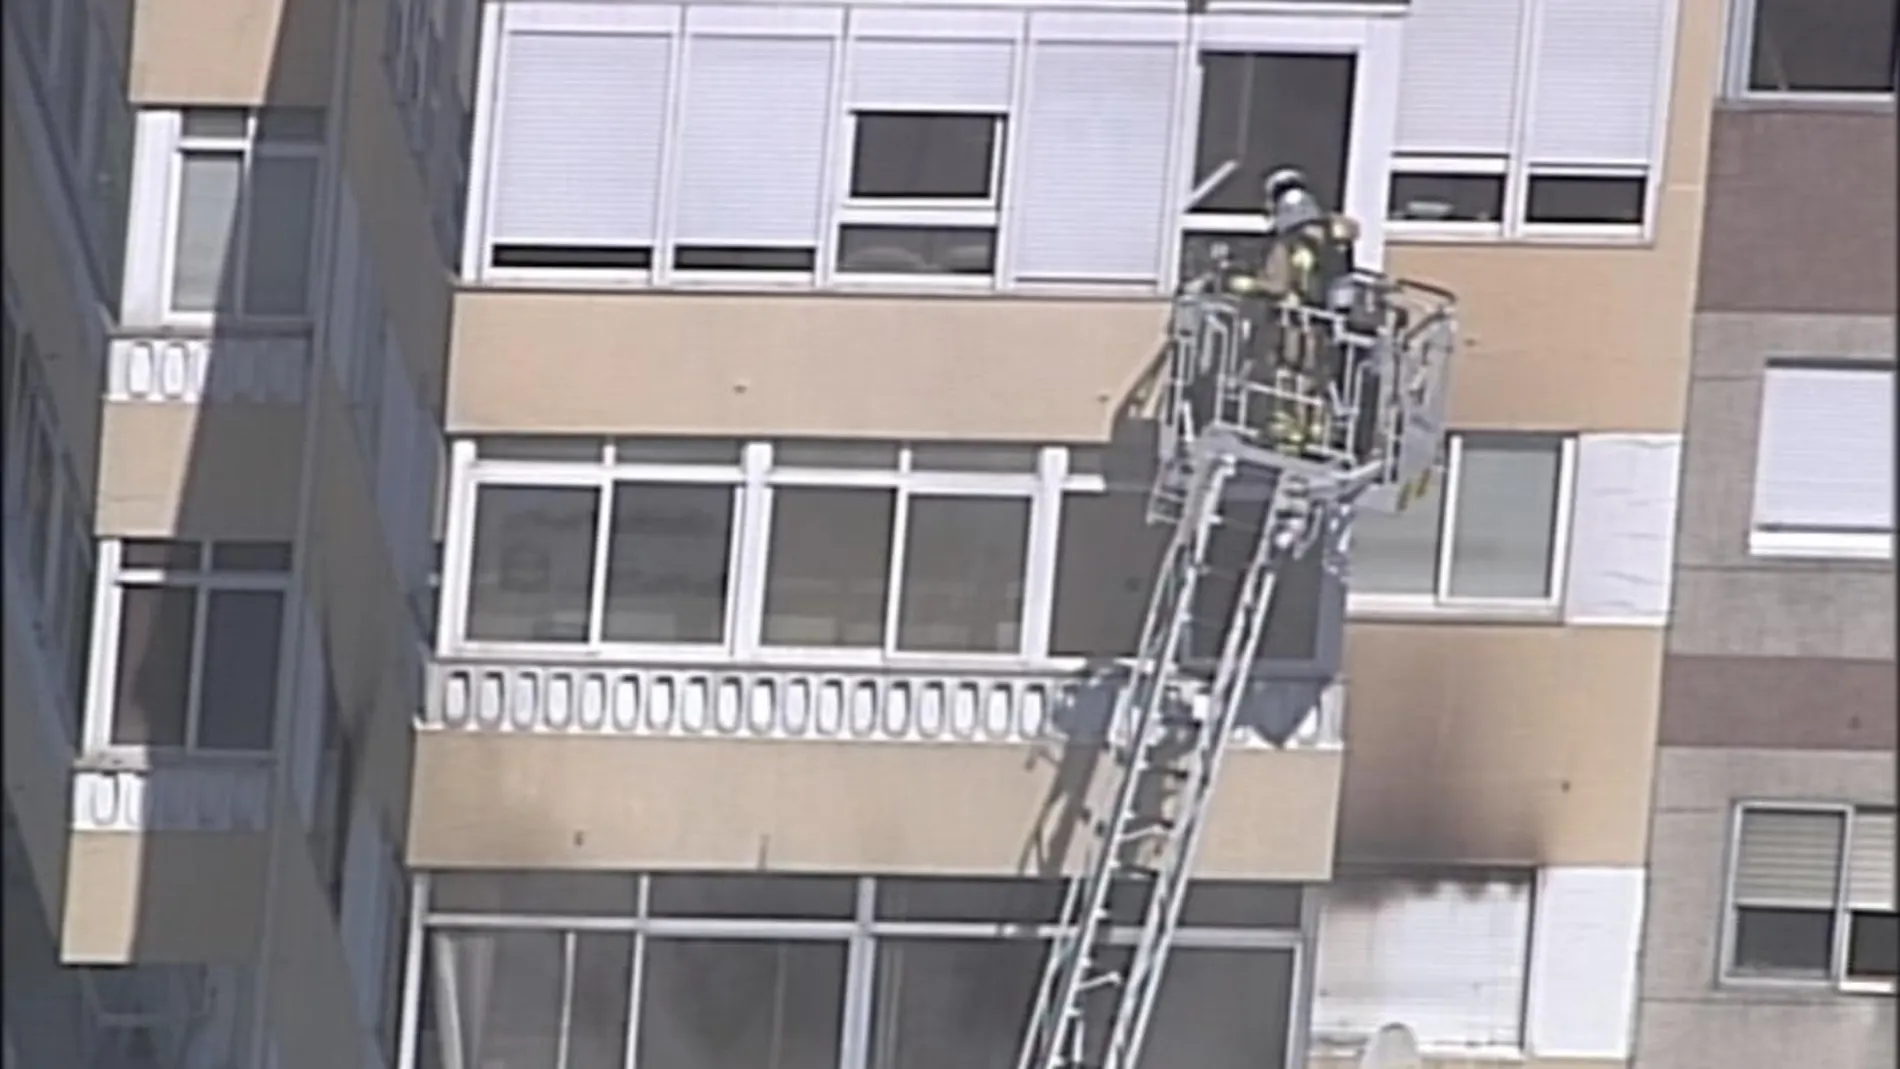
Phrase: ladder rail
(1291, 516)
(1052, 1040)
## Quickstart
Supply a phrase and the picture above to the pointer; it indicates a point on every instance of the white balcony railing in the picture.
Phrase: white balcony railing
(819, 703)
(188, 368)
(173, 792)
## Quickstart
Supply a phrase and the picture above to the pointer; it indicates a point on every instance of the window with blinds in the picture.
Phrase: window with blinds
(1811, 893)
(1517, 115)
(1824, 467)
(580, 121)
(1448, 958)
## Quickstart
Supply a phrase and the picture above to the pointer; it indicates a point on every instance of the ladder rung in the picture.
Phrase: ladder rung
(1101, 980)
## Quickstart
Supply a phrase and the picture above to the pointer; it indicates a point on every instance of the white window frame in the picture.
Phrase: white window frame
(1739, 50)
(1373, 46)
(1441, 602)
(1373, 39)
(247, 148)
(929, 212)
(754, 480)
(1518, 171)
(1843, 910)
(1816, 543)
(113, 578)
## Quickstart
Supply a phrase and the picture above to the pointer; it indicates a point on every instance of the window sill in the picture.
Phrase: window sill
(118, 757)
(1753, 101)
(1818, 545)
(701, 284)
(1809, 990)
(1481, 234)
(1375, 609)
(1350, 1049)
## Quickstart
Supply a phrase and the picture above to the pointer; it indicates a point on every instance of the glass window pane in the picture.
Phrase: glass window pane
(207, 212)
(598, 1008)
(533, 564)
(924, 156)
(154, 684)
(1784, 942)
(667, 563)
(969, 899)
(1506, 520)
(828, 575)
(504, 988)
(952, 1003)
(750, 1003)
(781, 896)
(1873, 946)
(1106, 553)
(240, 673)
(1841, 46)
(963, 574)
(277, 262)
(1397, 552)
(1223, 1009)
(1265, 111)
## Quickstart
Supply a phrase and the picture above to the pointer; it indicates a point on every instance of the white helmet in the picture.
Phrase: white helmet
(1290, 203)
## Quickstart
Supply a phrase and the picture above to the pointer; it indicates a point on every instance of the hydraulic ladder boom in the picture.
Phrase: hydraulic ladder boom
(1369, 431)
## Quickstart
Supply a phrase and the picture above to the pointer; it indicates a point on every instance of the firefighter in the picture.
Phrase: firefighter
(1308, 264)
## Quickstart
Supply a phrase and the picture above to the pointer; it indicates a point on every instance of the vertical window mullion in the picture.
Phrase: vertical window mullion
(1557, 571)
(1045, 543)
(458, 548)
(603, 541)
(751, 551)
(194, 689)
(1448, 516)
(1843, 911)
(1516, 165)
(563, 1039)
(894, 585)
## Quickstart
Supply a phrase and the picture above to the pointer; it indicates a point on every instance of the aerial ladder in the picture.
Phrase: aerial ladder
(1285, 407)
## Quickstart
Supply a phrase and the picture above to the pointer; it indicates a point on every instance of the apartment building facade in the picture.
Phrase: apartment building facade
(788, 364)
(1771, 933)
(791, 526)
(226, 305)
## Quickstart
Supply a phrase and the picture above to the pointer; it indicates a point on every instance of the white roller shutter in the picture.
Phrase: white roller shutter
(1789, 858)
(1826, 457)
(1870, 861)
(1458, 77)
(581, 123)
(892, 75)
(1597, 80)
(1447, 959)
(1092, 188)
(754, 132)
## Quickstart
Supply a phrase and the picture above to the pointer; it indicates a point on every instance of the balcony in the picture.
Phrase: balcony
(171, 367)
(819, 703)
(811, 766)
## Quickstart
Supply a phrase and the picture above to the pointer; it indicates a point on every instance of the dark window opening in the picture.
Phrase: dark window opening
(743, 258)
(921, 156)
(1841, 46)
(1873, 945)
(917, 250)
(1265, 111)
(1447, 198)
(574, 257)
(1590, 200)
(1784, 942)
